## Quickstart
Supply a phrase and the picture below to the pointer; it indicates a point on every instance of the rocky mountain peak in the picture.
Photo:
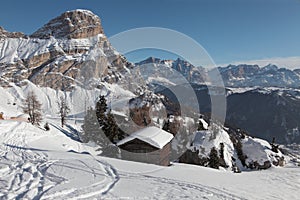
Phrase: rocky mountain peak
(51, 57)
(150, 60)
(297, 71)
(270, 67)
(6, 34)
(74, 24)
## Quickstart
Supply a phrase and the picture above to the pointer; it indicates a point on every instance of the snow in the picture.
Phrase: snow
(151, 135)
(79, 99)
(258, 150)
(204, 141)
(38, 164)
(16, 49)
(88, 12)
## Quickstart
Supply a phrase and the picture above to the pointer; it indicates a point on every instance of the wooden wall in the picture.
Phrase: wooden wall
(140, 151)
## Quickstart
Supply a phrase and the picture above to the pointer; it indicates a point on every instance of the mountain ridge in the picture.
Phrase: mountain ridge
(70, 49)
(242, 75)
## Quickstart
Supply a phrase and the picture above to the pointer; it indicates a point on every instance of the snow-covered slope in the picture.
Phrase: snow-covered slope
(79, 99)
(243, 151)
(204, 141)
(258, 150)
(40, 164)
(36, 164)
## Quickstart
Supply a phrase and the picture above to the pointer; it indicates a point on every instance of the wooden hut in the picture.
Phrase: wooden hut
(148, 145)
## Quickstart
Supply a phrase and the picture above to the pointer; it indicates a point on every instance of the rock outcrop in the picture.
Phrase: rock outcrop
(70, 49)
(73, 24)
(6, 34)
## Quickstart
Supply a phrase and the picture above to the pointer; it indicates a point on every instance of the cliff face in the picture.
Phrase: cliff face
(6, 34)
(72, 24)
(70, 49)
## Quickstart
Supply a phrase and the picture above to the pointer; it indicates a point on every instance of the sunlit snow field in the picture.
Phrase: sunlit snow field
(39, 164)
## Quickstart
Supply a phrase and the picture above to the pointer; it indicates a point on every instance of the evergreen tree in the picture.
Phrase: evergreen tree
(166, 126)
(214, 160)
(47, 127)
(221, 151)
(107, 121)
(110, 127)
(101, 107)
(275, 147)
(240, 153)
(32, 107)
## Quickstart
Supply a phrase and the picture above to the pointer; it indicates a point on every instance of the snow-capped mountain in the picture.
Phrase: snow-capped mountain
(232, 75)
(253, 75)
(70, 49)
(170, 72)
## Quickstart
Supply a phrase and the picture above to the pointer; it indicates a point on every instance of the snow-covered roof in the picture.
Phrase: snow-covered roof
(151, 135)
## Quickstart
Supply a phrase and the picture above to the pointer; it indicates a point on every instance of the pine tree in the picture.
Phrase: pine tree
(110, 127)
(107, 121)
(101, 107)
(47, 127)
(240, 154)
(221, 151)
(63, 110)
(275, 147)
(32, 107)
(214, 160)
(166, 126)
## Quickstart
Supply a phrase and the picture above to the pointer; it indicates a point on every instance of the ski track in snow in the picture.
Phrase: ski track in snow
(166, 188)
(31, 171)
(21, 169)
(26, 173)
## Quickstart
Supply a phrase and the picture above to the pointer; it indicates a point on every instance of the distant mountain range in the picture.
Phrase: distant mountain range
(234, 75)
(253, 75)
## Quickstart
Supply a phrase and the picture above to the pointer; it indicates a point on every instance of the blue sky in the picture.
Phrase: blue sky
(230, 30)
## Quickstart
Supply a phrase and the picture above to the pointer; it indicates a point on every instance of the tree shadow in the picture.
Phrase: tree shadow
(72, 133)
(23, 148)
